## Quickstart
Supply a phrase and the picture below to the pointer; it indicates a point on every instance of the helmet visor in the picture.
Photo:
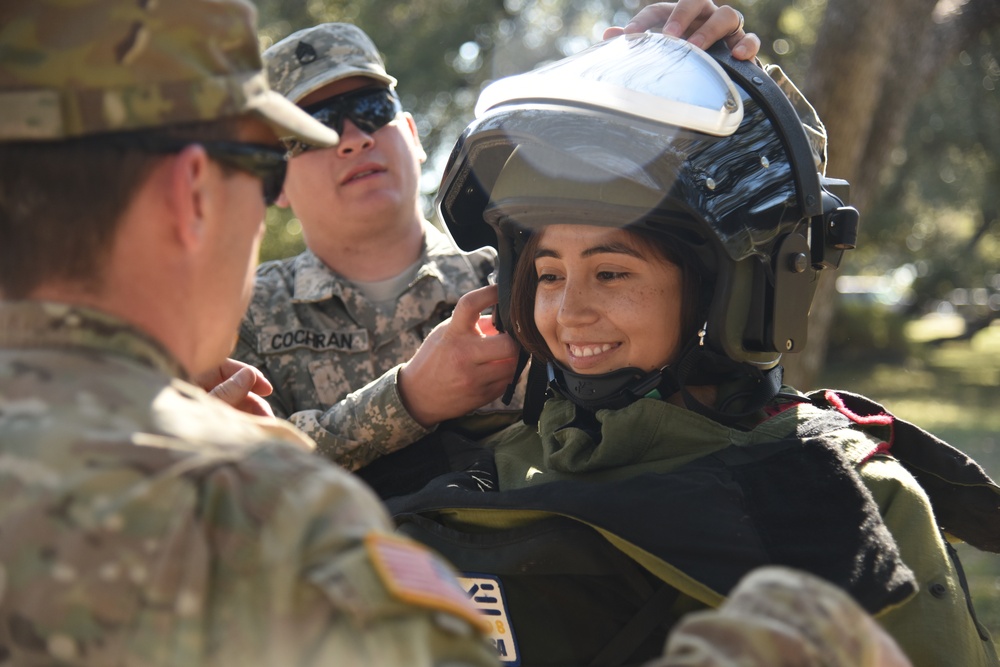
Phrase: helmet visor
(665, 81)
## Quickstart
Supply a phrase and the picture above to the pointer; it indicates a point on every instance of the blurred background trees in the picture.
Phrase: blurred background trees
(908, 90)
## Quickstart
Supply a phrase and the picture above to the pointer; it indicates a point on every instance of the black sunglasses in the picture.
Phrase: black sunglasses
(370, 109)
(268, 163)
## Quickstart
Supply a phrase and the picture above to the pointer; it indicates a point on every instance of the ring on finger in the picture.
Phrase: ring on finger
(739, 26)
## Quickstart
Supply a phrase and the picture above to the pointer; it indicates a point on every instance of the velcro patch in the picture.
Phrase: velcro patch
(415, 575)
(355, 340)
(486, 592)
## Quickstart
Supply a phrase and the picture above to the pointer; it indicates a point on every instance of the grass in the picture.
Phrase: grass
(952, 390)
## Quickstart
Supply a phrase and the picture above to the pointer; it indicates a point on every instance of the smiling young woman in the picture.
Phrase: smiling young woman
(661, 219)
(598, 299)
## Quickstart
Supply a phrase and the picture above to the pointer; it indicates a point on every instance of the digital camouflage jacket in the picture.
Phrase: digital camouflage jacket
(332, 356)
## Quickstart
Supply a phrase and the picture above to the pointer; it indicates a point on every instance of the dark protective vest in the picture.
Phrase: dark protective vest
(572, 573)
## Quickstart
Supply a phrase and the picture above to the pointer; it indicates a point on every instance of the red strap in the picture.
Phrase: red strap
(836, 401)
(880, 448)
(880, 419)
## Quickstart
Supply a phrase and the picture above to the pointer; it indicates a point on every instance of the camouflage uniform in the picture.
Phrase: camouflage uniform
(155, 63)
(144, 523)
(778, 616)
(333, 356)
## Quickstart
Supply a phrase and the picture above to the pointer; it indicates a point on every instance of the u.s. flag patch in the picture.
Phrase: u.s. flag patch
(415, 575)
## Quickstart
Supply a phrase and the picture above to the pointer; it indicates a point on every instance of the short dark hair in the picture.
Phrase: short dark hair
(61, 201)
(524, 284)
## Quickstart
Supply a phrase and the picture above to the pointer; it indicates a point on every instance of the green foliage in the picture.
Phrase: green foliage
(868, 330)
(787, 29)
(940, 204)
(283, 235)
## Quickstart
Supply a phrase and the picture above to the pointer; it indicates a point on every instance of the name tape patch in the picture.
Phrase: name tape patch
(319, 341)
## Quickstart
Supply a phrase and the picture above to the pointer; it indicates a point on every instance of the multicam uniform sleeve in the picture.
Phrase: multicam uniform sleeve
(778, 616)
(167, 551)
(342, 589)
(368, 423)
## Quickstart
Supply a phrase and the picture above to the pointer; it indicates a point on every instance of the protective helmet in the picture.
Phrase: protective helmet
(648, 132)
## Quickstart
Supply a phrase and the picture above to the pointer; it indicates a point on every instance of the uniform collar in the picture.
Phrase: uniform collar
(315, 281)
(648, 430)
(40, 324)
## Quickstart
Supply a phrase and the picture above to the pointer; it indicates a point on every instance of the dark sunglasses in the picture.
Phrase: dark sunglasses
(370, 109)
(268, 163)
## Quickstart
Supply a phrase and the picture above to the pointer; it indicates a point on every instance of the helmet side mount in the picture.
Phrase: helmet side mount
(837, 229)
(778, 313)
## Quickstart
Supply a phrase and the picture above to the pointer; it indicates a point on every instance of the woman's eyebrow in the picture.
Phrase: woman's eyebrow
(613, 248)
(608, 248)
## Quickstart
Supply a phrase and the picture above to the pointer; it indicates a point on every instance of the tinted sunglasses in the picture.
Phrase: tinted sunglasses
(370, 109)
(268, 163)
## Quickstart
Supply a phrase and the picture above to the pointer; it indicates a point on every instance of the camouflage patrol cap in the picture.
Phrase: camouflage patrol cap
(309, 59)
(85, 67)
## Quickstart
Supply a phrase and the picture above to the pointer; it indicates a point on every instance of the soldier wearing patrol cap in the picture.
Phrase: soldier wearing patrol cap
(143, 522)
(333, 328)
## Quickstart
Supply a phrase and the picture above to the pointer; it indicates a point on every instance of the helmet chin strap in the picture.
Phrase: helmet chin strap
(612, 390)
(696, 365)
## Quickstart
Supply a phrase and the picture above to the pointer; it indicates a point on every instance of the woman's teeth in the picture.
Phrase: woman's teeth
(589, 350)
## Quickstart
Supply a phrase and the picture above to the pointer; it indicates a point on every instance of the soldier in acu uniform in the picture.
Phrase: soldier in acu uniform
(142, 521)
(333, 327)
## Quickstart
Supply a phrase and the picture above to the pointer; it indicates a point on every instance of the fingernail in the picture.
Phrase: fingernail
(697, 40)
(673, 28)
(740, 52)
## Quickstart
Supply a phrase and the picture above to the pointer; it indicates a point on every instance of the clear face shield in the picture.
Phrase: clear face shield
(645, 109)
(646, 76)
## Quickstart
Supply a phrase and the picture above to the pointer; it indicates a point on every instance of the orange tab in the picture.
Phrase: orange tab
(415, 575)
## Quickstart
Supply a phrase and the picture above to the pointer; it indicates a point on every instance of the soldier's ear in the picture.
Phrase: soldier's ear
(190, 194)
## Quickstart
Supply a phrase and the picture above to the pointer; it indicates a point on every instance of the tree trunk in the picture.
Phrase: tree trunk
(871, 62)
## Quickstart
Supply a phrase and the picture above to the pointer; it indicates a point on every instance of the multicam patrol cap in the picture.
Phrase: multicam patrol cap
(69, 69)
(309, 59)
